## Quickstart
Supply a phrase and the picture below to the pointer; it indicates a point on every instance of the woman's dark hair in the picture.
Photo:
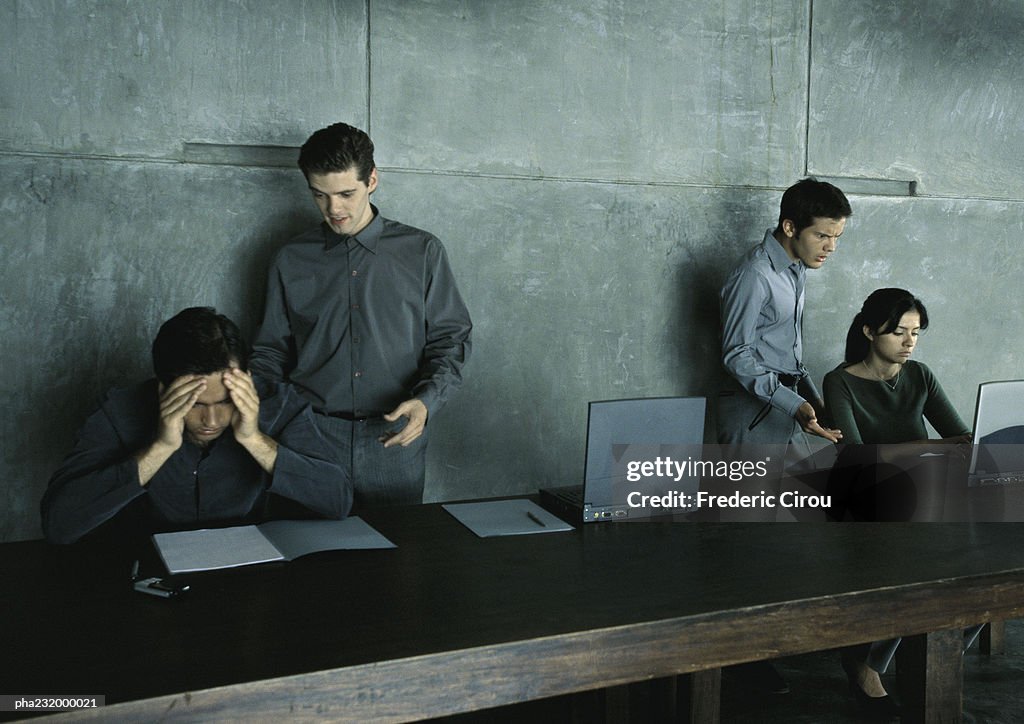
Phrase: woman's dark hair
(881, 313)
(197, 341)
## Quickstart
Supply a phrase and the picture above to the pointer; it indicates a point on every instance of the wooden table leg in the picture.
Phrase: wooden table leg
(993, 638)
(616, 704)
(930, 671)
(705, 696)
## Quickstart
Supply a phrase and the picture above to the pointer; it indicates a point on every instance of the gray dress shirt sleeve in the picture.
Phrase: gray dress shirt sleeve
(273, 349)
(448, 342)
(305, 470)
(97, 479)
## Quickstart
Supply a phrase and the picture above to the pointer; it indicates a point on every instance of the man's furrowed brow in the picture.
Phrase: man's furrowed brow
(218, 402)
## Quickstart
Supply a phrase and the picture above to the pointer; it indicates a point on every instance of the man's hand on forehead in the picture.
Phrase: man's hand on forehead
(176, 400)
(246, 400)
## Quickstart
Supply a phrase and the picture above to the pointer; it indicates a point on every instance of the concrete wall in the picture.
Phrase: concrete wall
(594, 169)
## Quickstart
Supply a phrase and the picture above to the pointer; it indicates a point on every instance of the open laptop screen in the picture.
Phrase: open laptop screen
(997, 455)
(622, 432)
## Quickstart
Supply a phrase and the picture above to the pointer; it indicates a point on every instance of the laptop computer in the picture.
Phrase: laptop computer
(997, 452)
(620, 433)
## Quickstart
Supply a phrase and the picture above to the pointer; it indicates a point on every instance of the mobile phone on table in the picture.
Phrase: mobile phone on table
(161, 587)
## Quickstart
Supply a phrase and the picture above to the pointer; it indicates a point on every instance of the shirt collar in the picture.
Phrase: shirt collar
(777, 255)
(368, 238)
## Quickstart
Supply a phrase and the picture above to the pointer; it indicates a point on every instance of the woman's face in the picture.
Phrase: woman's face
(894, 346)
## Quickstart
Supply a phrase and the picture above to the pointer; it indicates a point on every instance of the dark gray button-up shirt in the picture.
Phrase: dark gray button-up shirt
(360, 324)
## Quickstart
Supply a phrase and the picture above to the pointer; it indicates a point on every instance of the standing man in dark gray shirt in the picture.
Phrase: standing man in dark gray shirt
(363, 316)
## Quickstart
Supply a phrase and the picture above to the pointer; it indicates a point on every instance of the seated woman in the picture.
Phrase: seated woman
(879, 396)
(880, 399)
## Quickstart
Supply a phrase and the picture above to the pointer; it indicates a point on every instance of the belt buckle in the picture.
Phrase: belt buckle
(790, 380)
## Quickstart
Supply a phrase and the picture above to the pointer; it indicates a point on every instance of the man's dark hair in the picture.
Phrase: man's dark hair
(809, 199)
(336, 149)
(197, 341)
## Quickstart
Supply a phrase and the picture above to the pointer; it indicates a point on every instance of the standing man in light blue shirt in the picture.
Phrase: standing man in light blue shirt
(773, 398)
(771, 401)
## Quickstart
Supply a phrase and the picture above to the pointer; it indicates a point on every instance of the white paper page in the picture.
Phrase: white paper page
(506, 517)
(296, 538)
(211, 548)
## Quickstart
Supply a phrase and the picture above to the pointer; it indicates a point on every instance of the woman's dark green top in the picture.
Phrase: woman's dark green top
(876, 412)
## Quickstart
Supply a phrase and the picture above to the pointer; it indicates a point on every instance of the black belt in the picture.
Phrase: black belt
(351, 417)
(790, 380)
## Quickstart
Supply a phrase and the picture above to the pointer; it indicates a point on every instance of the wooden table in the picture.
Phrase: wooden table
(448, 622)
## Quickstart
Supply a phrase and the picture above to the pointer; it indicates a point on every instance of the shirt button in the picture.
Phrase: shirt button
(358, 374)
(355, 306)
(355, 273)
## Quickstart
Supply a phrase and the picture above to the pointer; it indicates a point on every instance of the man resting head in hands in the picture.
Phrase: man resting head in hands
(203, 443)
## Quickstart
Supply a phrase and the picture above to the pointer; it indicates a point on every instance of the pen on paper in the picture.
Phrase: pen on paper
(535, 519)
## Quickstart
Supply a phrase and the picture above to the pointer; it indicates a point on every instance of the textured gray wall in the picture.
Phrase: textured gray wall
(593, 168)
(925, 91)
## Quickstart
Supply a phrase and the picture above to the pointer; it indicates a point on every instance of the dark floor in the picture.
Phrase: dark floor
(993, 690)
(993, 694)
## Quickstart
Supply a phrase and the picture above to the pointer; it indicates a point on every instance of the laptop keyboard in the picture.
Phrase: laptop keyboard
(1001, 480)
(573, 495)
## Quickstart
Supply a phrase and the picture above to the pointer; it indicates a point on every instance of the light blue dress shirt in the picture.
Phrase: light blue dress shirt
(762, 307)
